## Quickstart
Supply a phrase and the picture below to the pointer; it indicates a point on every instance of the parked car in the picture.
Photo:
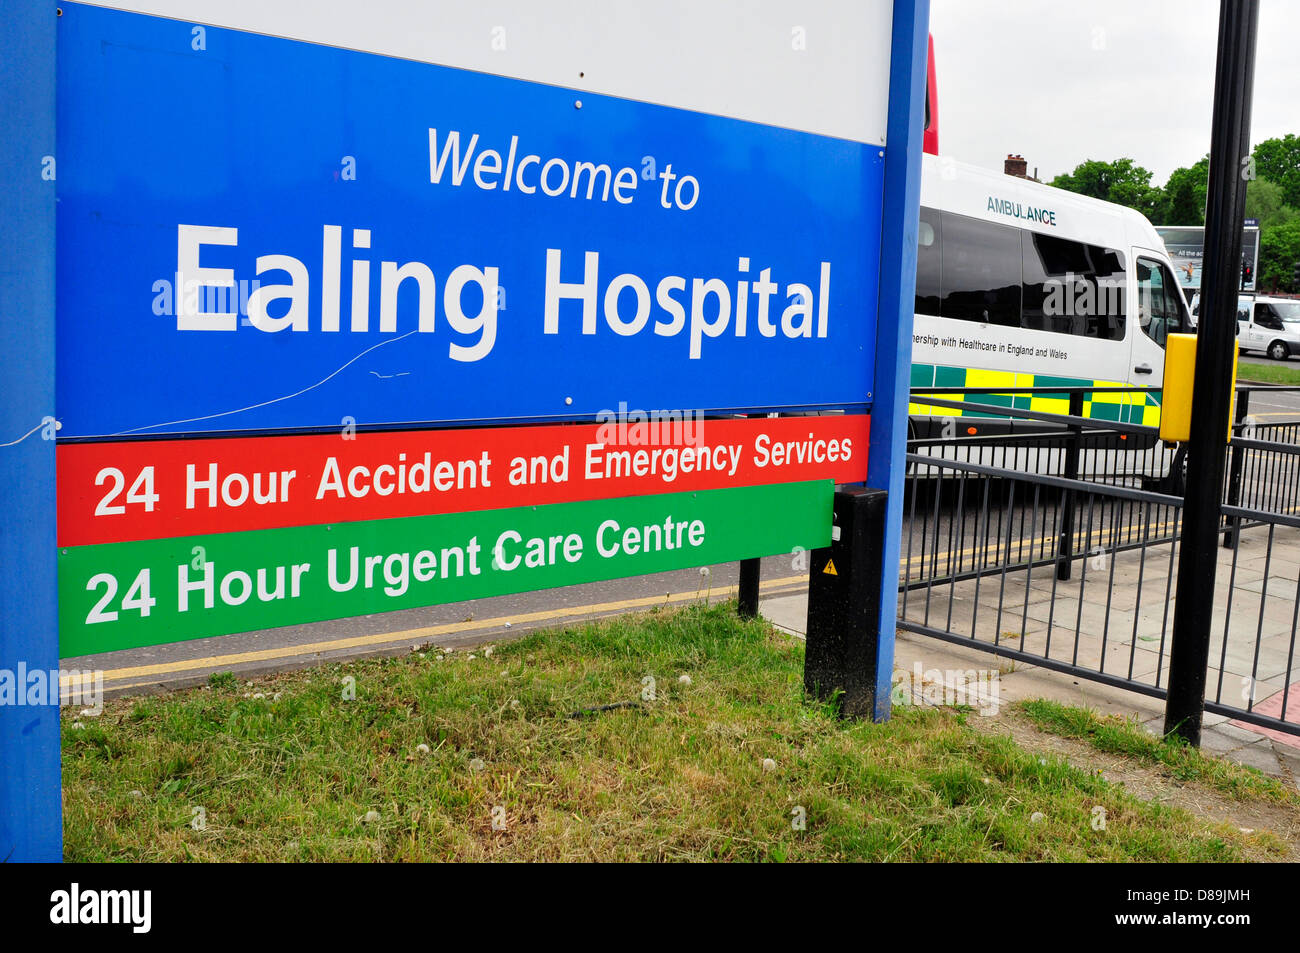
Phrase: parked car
(1271, 325)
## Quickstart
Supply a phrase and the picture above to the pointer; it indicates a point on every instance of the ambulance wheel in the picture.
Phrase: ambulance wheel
(1178, 473)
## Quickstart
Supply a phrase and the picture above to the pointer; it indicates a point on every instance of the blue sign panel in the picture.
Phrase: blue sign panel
(261, 234)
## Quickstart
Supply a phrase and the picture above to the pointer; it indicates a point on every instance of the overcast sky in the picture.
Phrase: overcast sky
(1063, 82)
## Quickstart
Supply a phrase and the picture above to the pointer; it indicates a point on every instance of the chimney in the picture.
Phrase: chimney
(1017, 166)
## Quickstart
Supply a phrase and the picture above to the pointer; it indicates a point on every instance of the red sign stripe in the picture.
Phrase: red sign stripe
(119, 491)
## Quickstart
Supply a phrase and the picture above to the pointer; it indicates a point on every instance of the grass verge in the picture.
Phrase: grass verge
(479, 756)
(1115, 735)
(1268, 373)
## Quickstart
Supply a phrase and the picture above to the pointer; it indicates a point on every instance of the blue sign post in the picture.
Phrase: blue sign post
(31, 806)
(893, 354)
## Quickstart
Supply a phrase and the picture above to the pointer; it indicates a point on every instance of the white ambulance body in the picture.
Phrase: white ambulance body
(1021, 285)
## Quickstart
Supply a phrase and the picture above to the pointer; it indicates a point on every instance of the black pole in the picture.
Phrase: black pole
(1065, 544)
(748, 596)
(1212, 397)
(1233, 530)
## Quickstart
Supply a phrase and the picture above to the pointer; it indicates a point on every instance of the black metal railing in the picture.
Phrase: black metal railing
(1059, 547)
(1264, 460)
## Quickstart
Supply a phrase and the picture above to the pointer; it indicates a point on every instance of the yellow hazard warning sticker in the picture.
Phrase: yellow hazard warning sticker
(830, 568)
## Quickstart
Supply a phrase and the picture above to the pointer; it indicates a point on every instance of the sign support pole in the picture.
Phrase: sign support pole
(901, 213)
(750, 571)
(31, 814)
(1211, 401)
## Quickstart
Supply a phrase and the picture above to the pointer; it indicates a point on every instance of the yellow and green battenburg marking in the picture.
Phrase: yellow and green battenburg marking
(1136, 408)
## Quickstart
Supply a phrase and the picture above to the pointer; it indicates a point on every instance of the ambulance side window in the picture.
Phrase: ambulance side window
(929, 262)
(980, 271)
(1073, 288)
(1159, 313)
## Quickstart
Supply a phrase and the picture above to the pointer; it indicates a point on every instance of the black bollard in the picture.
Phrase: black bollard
(844, 605)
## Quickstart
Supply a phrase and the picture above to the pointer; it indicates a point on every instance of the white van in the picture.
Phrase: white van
(1019, 284)
(1271, 325)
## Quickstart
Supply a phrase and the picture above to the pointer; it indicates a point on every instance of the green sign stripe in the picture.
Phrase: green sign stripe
(238, 582)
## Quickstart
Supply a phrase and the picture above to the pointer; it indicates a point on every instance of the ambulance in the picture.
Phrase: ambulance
(1020, 285)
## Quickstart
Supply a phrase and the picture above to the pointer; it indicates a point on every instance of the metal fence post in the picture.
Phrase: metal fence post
(1233, 530)
(1065, 545)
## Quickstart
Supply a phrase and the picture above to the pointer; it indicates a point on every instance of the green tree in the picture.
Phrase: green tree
(1185, 195)
(1122, 181)
(1279, 251)
(1278, 160)
(1266, 201)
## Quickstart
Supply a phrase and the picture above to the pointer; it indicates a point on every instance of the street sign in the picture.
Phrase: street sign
(352, 308)
(344, 251)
